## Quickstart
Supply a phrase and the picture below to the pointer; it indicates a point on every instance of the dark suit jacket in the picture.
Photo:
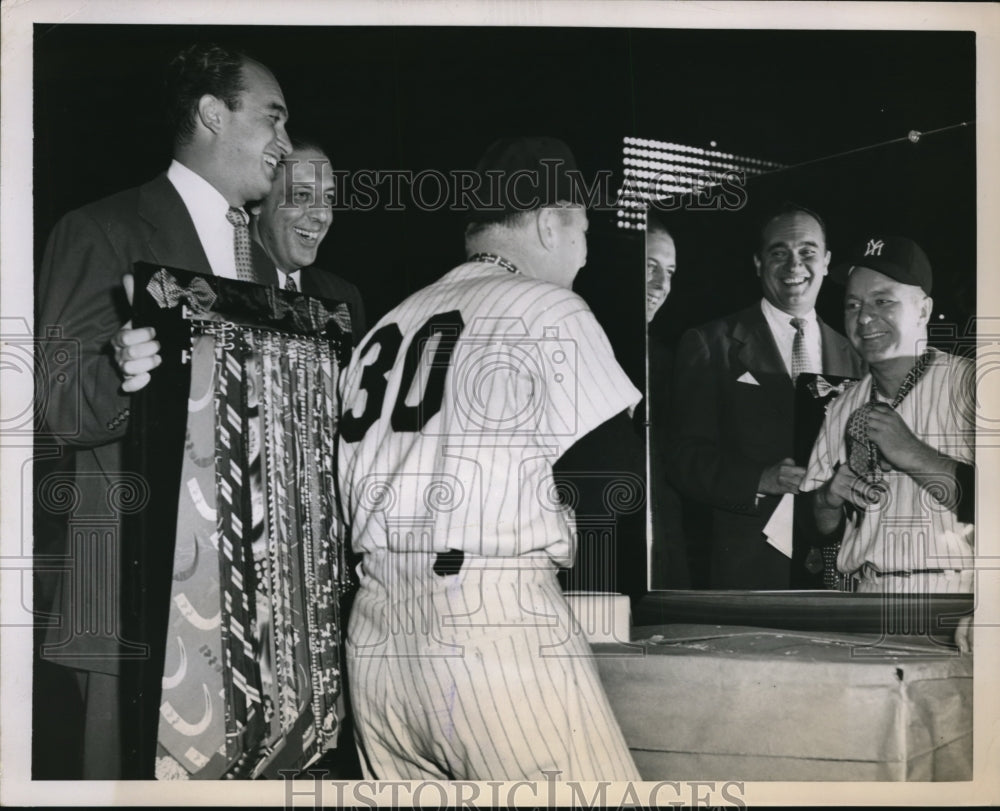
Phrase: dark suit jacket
(725, 432)
(669, 560)
(328, 285)
(81, 305)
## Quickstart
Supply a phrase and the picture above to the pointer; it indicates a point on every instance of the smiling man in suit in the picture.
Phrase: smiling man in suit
(228, 115)
(292, 221)
(731, 436)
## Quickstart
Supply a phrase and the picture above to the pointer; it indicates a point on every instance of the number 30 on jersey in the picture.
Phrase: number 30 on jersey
(374, 377)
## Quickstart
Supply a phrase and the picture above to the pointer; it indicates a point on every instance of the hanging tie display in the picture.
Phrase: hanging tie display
(244, 648)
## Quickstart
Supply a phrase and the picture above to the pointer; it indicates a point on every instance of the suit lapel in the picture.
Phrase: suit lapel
(263, 267)
(839, 357)
(172, 239)
(307, 283)
(757, 352)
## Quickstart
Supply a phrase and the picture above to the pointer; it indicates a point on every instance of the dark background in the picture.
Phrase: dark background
(833, 106)
(417, 98)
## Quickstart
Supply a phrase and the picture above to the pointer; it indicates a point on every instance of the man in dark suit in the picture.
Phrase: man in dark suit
(731, 440)
(291, 222)
(668, 555)
(229, 117)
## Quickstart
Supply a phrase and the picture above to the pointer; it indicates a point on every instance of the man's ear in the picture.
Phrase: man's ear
(547, 221)
(210, 112)
(756, 263)
(826, 263)
(926, 308)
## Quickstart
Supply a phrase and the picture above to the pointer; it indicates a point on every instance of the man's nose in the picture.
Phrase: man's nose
(322, 213)
(284, 143)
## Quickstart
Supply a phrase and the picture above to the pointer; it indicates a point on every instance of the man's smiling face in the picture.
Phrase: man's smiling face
(793, 261)
(296, 214)
(885, 319)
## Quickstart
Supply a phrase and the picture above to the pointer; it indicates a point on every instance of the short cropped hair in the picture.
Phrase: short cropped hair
(788, 207)
(654, 225)
(502, 219)
(309, 144)
(198, 70)
(513, 219)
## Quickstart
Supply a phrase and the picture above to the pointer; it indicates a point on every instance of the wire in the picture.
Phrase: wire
(913, 136)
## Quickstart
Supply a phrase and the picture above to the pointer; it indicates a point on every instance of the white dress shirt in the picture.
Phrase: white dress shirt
(296, 277)
(207, 208)
(779, 528)
(780, 323)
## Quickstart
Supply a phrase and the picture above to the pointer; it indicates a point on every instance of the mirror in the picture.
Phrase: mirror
(921, 186)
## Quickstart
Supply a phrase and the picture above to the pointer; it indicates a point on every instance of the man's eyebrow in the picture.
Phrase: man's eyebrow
(881, 291)
(278, 108)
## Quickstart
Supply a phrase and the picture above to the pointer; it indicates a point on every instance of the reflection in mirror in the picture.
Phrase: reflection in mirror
(738, 393)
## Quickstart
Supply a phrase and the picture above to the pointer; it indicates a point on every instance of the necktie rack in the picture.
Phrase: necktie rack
(234, 568)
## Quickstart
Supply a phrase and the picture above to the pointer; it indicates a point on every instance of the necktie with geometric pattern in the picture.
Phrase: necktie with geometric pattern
(800, 354)
(241, 244)
(290, 283)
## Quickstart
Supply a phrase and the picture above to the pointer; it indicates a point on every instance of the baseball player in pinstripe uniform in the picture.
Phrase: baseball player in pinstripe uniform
(893, 463)
(462, 652)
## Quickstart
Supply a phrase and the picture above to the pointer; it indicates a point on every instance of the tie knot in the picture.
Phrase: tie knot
(799, 324)
(236, 217)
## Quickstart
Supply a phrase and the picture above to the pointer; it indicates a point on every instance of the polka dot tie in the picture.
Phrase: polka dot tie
(241, 244)
(290, 283)
(800, 355)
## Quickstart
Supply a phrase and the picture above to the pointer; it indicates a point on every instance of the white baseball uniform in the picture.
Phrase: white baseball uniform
(909, 530)
(455, 407)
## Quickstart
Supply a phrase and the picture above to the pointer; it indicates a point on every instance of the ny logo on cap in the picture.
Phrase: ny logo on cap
(874, 247)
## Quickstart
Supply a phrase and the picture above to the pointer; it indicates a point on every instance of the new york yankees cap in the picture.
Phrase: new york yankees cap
(898, 258)
(522, 174)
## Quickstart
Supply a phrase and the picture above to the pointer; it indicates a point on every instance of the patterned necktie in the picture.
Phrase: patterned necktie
(192, 725)
(800, 355)
(241, 244)
(290, 283)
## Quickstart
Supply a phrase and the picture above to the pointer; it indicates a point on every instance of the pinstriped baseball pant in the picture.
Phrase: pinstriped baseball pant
(477, 675)
(953, 581)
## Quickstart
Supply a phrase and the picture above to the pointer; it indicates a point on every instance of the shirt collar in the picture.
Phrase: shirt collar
(296, 277)
(776, 316)
(204, 202)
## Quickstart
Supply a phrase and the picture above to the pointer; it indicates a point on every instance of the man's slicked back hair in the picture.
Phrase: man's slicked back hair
(201, 69)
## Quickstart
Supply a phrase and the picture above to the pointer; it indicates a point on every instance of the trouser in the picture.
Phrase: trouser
(77, 724)
(475, 675)
(920, 582)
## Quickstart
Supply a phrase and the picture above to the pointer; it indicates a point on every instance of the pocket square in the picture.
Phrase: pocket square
(746, 377)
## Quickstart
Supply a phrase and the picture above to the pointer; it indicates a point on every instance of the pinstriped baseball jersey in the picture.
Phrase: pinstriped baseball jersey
(457, 404)
(454, 409)
(909, 529)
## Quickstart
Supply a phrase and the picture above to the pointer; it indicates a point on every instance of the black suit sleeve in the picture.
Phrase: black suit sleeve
(699, 463)
(605, 471)
(965, 510)
(359, 322)
(81, 306)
